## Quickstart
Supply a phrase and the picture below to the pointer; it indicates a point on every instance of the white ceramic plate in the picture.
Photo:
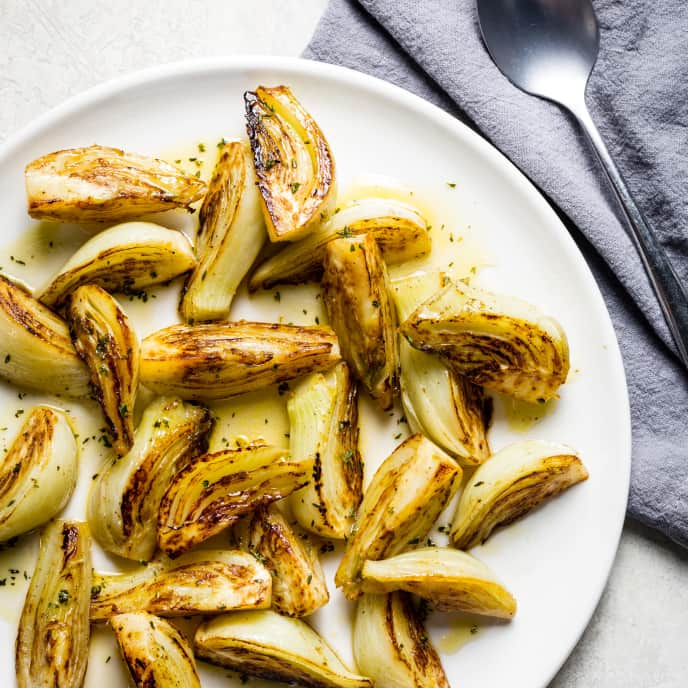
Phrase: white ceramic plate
(556, 560)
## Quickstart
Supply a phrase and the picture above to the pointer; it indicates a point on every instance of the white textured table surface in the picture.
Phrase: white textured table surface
(50, 50)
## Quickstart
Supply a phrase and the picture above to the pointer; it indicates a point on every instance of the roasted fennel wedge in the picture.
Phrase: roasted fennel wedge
(36, 351)
(100, 183)
(275, 647)
(54, 630)
(293, 162)
(399, 230)
(107, 343)
(444, 406)
(218, 488)
(219, 360)
(155, 652)
(511, 483)
(125, 258)
(230, 236)
(496, 341)
(406, 495)
(323, 428)
(449, 579)
(38, 473)
(202, 582)
(125, 497)
(298, 582)
(392, 646)
(356, 294)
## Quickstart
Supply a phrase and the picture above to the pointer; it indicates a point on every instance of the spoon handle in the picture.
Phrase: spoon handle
(671, 294)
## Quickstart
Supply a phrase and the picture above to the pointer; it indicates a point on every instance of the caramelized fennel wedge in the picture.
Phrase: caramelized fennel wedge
(125, 497)
(399, 230)
(100, 183)
(231, 234)
(514, 480)
(54, 630)
(38, 473)
(36, 350)
(323, 428)
(449, 579)
(219, 360)
(444, 406)
(125, 258)
(406, 495)
(274, 647)
(298, 582)
(392, 646)
(356, 293)
(155, 652)
(107, 343)
(496, 341)
(293, 162)
(202, 582)
(217, 489)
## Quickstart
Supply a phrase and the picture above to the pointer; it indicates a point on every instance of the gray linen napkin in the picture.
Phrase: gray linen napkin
(638, 95)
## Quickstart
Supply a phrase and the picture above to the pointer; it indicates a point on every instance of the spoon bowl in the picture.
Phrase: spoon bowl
(535, 42)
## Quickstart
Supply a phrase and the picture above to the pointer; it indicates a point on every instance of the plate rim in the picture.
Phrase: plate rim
(514, 176)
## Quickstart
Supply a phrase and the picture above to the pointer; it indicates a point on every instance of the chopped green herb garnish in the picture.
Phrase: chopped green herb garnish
(101, 346)
(257, 555)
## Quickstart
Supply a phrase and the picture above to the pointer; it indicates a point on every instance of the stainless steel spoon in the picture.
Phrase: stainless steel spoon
(548, 48)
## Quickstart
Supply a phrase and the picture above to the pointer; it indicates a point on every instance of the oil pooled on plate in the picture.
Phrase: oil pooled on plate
(460, 632)
(521, 416)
